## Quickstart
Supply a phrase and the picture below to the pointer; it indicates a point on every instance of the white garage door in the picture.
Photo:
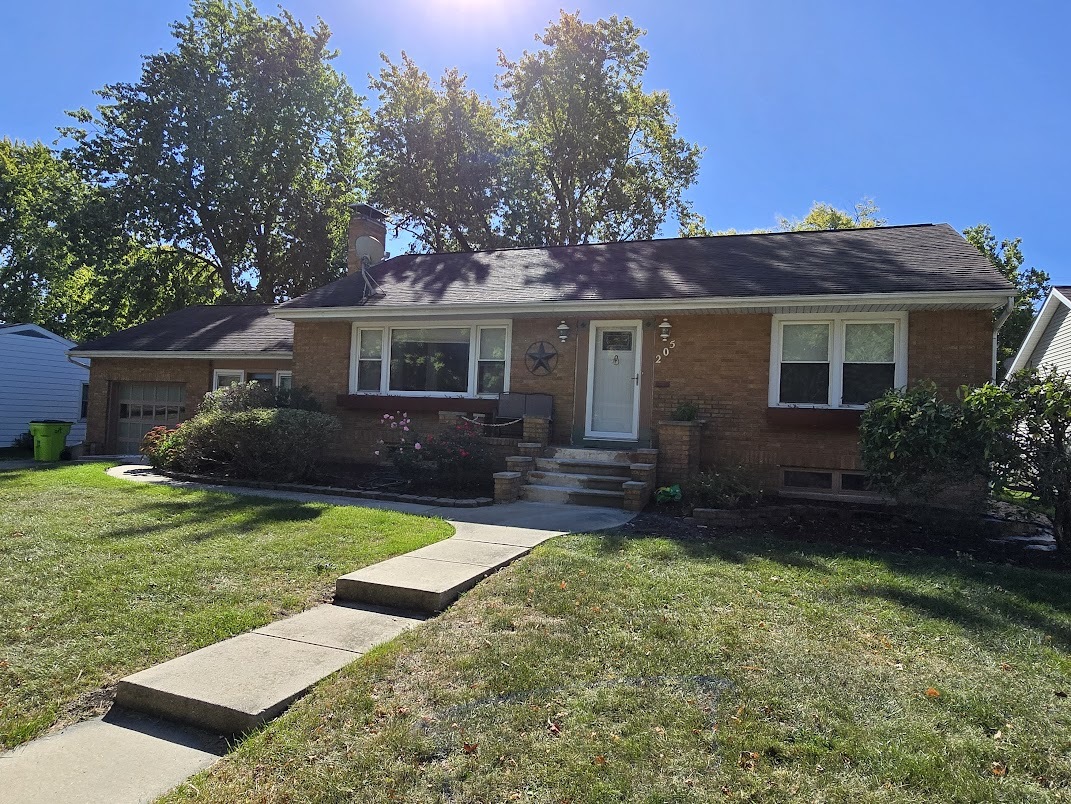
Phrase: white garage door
(145, 405)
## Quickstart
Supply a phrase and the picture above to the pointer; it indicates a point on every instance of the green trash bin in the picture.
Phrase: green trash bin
(49, 438)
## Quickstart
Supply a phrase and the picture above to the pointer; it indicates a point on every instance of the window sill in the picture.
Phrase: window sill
(424, 404)
(813, 418)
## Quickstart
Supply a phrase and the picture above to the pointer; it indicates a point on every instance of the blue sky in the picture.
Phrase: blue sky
(941, 111)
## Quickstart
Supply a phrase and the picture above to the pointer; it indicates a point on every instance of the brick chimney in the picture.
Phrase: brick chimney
(365, 222)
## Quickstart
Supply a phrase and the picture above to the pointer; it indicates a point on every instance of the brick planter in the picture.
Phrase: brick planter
(507, 487)
(678, 450)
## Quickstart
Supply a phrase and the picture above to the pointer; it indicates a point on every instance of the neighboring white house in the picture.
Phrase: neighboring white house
(1049, 341)
(39, 382)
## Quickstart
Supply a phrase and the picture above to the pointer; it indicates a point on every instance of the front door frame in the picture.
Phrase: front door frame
(636, 325)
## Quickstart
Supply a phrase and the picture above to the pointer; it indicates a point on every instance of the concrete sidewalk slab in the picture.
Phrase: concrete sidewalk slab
(547, 519)
(342, 627)
(488, 555)
(234, 685)
(417, 584)
(500, 534)
(124, 758)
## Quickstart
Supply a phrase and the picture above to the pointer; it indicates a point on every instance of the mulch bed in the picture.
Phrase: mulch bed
(370, 477)
(854, 527)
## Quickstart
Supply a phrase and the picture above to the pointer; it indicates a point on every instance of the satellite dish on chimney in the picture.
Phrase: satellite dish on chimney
(368, 250)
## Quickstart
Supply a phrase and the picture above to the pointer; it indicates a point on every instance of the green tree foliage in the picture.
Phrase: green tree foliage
(824, 217)
(919, 447)
(238, 147)
(66, 264)
(37, 195)
(821, 217)
(599, 157)
(576, 152)
(1016, 435)
(1031, 285)
(1035, 405)
(437, 158)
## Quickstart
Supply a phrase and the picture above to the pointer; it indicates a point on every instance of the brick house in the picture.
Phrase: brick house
(779, 340)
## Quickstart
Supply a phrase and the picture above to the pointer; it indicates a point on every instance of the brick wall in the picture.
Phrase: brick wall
(195, 375)
(321, 364)
(950, 347)
(561, 383)
(721, 363)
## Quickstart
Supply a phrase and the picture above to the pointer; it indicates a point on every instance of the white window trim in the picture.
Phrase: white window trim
(281, 374)
(836, 354)
(217, 372)
(475, 327)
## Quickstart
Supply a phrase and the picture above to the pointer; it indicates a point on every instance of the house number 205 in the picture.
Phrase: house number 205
(665, 350)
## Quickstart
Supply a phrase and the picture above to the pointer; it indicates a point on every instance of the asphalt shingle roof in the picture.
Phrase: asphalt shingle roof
(204, 328)
(893, 259)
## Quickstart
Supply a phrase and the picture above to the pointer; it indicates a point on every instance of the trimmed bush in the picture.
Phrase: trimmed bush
(263, 444)
(244, 396)
(724, 487)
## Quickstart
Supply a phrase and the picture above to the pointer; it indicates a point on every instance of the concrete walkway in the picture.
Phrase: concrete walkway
(168, 719)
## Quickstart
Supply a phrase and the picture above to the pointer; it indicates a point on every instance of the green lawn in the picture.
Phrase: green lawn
(100, 577)
(737, 669)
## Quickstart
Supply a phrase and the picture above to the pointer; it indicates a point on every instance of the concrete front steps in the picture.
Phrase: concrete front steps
(584, 476)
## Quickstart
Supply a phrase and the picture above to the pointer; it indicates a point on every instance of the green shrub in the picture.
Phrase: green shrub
(253, 395)
(669, 494)
(297, 399)
(23, 441)
(458, 458)
(921, 448)
(686, 412)
(241, 396)
(262, 444)
(160, 445)
(724, 487)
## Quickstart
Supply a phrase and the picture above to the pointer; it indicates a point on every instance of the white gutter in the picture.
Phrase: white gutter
(981, 298)
(75, 362)
(187, 355)
(1009, 308)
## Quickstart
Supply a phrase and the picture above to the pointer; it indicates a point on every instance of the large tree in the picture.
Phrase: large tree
(437, 158)
(1031, 285)
(66, 263)
(237, 147)
(575, 151)
(37, 195)
(598, 157)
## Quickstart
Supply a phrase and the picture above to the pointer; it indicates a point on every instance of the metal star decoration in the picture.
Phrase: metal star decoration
(541, 358)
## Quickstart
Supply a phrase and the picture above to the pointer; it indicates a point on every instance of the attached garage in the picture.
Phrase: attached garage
(157, 373)
(145, 405)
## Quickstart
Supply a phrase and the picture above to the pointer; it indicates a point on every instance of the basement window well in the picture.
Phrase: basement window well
(826, 484)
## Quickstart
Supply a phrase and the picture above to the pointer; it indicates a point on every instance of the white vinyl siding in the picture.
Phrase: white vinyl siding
(39, 383)
(1054, 345)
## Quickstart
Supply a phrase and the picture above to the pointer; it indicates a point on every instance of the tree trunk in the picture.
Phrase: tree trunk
(1061, 524)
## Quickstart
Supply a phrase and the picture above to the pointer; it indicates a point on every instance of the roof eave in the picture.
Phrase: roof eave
(981, 298)
(1041, 322)
(177, 355)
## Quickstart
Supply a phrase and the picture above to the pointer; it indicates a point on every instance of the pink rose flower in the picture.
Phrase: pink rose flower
(416, 445)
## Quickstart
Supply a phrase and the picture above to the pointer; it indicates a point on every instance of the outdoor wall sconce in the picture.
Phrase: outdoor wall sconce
(665, 328)
(563, 331)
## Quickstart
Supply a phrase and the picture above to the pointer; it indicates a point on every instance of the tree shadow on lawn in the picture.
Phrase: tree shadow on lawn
(209, 516)
(1002, 597)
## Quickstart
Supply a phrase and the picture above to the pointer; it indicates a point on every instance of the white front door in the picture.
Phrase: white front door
(614, 380)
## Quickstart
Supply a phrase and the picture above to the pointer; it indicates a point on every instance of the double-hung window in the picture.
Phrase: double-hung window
(836, 361)
(430, 360)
